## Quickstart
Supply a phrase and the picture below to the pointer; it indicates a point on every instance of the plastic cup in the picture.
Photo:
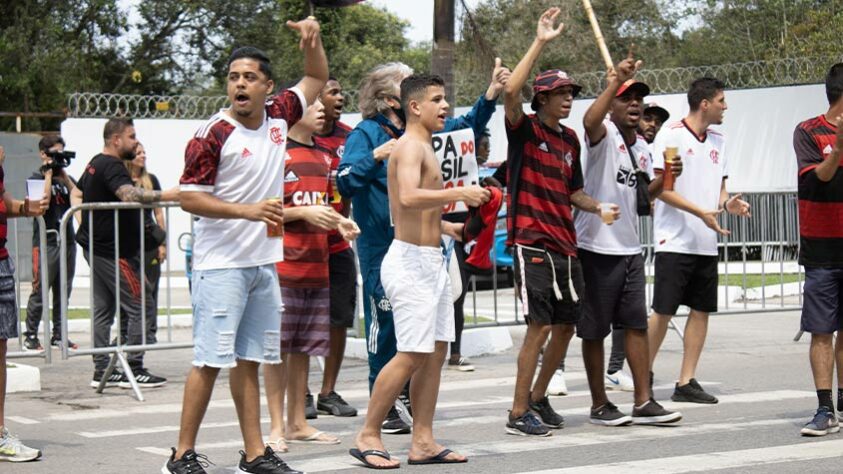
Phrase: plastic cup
(670, 154)
(35, 193)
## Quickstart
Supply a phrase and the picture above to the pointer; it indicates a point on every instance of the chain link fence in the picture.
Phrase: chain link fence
(772, 73)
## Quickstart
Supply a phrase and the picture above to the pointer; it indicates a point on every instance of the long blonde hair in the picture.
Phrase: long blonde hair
(381, 81)
(145, 180)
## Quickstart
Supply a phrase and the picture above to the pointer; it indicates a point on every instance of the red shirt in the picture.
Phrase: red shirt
(305, 265)
(543, 170)
(4, 252)
(334, 144)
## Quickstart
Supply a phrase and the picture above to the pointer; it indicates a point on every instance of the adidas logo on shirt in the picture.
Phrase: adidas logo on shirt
(290, 177)
(543, 147)
(246, 153)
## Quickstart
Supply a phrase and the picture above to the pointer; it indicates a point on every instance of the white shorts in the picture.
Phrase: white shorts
(416, 282)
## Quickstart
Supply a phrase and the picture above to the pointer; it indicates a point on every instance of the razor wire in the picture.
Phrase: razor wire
(747, 75)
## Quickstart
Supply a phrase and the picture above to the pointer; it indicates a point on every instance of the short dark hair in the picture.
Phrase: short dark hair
(704, 88)
(251, 52)
(414, 84)
(834, 83)
(50, 141)
(115, 126)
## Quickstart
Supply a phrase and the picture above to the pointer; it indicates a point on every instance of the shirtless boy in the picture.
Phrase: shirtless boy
(414, 275)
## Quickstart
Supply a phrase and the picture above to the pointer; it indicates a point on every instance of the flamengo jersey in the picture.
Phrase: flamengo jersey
(820, 204)
(610, 178)
(703, 170)
(306, 171)
(334, 144)
(239, 165)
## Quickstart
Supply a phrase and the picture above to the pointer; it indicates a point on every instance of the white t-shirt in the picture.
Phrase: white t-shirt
(239, 165)
(610, 178)
(703, 170)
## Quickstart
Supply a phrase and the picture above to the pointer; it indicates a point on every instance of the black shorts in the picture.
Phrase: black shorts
(343, 274)
(534, 278)
(822, 306)
(615, 295)
(685, 279)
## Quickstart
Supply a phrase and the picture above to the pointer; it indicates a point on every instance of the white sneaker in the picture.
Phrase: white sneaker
(620, 380)
(557, 385)
(12, 450)
(463, 365)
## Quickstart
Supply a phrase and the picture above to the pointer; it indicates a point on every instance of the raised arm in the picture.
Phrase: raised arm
(545, 32)
(478, 117)
(596, 113)
(315, 61)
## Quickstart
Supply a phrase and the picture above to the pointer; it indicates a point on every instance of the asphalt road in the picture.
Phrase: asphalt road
(761, 376)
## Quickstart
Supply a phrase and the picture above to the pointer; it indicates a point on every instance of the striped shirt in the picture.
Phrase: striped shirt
(820, 203)
(334, 144)
(305, 264)
(544, 169)
(4, 252)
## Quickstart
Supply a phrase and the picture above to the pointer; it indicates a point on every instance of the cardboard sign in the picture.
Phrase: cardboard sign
(458, 162)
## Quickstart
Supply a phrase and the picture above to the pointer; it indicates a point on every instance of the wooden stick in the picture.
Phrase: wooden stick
(598, 35)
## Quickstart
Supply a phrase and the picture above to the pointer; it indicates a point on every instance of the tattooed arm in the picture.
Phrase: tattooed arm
(128, 193)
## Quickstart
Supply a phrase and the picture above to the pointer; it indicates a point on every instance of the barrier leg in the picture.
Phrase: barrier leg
(127, 371)
(798, 335)
(676, 328)
(107, 374)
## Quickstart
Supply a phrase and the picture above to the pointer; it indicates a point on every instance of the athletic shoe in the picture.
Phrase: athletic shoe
(269, 463)
(55, 341)
(190, 463)
(692, 392)
(393, 424)
(463, 365)
(527, 425)
(823, 423)
(557, 385)
(609, 415)
(333, 404)
(144, 380)
(309, 407)
(31, 343)
(651, 413)
(620, 380)
(549, 417)
(12, 450)
(405, 408)
(114, 379)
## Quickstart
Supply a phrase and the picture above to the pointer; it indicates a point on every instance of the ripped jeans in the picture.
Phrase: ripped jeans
(236, 315)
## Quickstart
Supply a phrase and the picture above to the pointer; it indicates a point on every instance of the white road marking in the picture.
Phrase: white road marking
(22, 420)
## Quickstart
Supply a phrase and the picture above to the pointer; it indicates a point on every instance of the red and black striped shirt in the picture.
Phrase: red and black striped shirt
(4, 252)
(334, 144)
(820, 203)
(305, 264)
(544, 169)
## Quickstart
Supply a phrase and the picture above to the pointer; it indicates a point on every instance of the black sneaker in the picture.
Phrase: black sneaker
(692, 392)
(144, 380)
(31, 343)
(333, 404)
(609, 415)
(55, 341)
(393, 424)
(651, 413)
(404, 398)
(190, 463)
(527, 425)
(549, 417)
(269, 463)
(309, 407)
(114, 379)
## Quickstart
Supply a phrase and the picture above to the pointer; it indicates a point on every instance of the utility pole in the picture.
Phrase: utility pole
(442, 59)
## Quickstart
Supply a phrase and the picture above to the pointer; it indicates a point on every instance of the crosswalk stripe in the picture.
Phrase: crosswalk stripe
(22, 420)
(804, 451)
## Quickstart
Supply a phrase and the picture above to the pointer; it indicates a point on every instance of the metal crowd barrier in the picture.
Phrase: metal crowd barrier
(119, 350)
(46, 318)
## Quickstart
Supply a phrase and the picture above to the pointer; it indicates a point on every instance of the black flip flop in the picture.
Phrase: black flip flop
(440, 458)
(361, 456)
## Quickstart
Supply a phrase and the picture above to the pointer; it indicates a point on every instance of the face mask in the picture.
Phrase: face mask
(400, 113)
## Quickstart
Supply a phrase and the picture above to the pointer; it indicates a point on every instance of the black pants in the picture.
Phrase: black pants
(35, 305)
(618, 350)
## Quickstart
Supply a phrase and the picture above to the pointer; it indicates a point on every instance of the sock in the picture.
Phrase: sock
(610, 372)
(824, 397)
(480, 228)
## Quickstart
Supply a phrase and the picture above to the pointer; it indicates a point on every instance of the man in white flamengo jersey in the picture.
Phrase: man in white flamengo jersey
(686, 228)
(232, 180)
(613, 267)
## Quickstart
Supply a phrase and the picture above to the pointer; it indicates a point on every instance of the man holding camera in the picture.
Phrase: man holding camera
(53, 162)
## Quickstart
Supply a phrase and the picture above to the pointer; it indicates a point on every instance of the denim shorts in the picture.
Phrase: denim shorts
(9, 321)
(236, 315)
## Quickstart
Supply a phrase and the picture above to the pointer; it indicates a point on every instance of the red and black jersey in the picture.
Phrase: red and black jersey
(4, 252)
(820, 203)
(334, 144)
(306, 171)
(543, 170)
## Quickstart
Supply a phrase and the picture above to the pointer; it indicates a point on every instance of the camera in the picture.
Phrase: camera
(61, 159)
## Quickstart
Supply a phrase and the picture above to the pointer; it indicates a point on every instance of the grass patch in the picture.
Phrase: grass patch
(81, 313)
(753, 280)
